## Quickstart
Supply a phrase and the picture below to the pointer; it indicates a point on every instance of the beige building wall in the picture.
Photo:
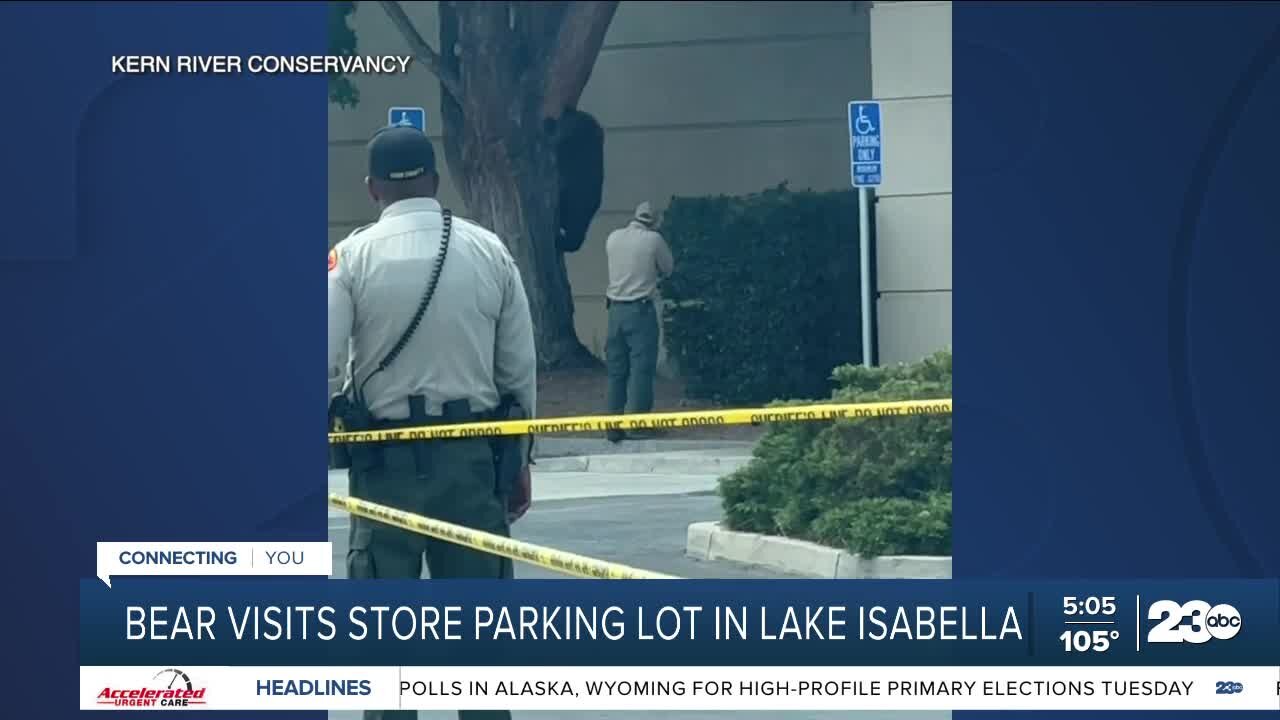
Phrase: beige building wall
(911, 77)
(696, 98)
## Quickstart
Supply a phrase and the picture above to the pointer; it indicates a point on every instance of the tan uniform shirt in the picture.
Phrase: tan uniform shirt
(475, 341)
(638, 259)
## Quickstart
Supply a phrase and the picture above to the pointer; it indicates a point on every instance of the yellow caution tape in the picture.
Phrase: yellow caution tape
(577, 565)
(652, 421)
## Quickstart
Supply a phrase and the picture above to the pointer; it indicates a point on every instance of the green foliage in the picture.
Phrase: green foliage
(875, 486)
(890, 526)
(342, 41)
(766, 297)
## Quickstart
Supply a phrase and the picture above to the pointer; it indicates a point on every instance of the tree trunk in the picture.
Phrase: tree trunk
(515, 196)
(501, 149)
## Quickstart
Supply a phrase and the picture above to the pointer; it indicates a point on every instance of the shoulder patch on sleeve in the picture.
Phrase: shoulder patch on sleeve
(333, 259)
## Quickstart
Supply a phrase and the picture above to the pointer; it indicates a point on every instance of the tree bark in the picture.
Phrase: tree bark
(577, 44)
(508, 71)
(422, 52)
(500, 140)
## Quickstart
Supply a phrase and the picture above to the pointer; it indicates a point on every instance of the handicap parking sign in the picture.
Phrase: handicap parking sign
(865, 144)
(407, 116)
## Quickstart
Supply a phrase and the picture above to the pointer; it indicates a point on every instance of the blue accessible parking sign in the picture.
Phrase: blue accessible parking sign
(865, 144)
(410, 116)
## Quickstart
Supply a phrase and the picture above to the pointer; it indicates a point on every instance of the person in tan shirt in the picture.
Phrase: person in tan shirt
(638, 259)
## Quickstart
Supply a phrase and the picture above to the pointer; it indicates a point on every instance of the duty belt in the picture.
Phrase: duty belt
(432, 420)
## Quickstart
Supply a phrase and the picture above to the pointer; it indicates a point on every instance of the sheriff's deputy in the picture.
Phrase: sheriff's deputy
(469, 350)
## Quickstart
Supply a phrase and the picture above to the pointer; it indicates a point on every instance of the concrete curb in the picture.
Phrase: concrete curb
(709, 541)
(648, 463)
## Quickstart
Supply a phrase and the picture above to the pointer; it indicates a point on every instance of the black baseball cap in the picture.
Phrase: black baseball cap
(400, 153)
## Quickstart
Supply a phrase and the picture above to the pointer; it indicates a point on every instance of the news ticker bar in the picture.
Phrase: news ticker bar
(680, 688)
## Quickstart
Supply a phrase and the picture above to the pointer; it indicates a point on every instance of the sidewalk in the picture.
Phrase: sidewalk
(618, 474)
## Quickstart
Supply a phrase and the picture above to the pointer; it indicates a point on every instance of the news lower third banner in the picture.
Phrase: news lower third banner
(314, 644)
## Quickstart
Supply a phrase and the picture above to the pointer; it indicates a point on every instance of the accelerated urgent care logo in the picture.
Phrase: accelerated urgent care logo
(169, 688)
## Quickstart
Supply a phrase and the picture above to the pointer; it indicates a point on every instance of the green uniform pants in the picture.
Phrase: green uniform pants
(450, 480)
(631, 353)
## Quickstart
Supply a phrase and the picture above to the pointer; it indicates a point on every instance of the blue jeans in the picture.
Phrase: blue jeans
(631, 354)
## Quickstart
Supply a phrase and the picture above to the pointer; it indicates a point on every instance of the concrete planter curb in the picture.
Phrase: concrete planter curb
(709, 541)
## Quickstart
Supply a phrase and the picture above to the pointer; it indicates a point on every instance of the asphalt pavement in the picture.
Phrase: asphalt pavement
(636, 519)
(646, 531)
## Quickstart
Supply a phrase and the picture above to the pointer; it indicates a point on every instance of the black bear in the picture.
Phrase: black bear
(580, 155)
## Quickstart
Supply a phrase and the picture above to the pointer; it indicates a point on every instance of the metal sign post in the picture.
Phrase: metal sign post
(865, 167)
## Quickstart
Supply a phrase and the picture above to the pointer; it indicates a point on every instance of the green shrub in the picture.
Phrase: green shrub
(889, 526)
(765, 297)
(876, 486)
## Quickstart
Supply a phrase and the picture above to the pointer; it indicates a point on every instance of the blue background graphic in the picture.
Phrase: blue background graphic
(161, 274)
(1115, 241)
(1115, 245)
(1114, 251)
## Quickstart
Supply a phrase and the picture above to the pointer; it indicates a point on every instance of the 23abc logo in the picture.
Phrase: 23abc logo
(1194, 622)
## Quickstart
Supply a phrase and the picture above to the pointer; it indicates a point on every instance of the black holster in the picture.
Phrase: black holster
(509, 450)
(345, 416)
